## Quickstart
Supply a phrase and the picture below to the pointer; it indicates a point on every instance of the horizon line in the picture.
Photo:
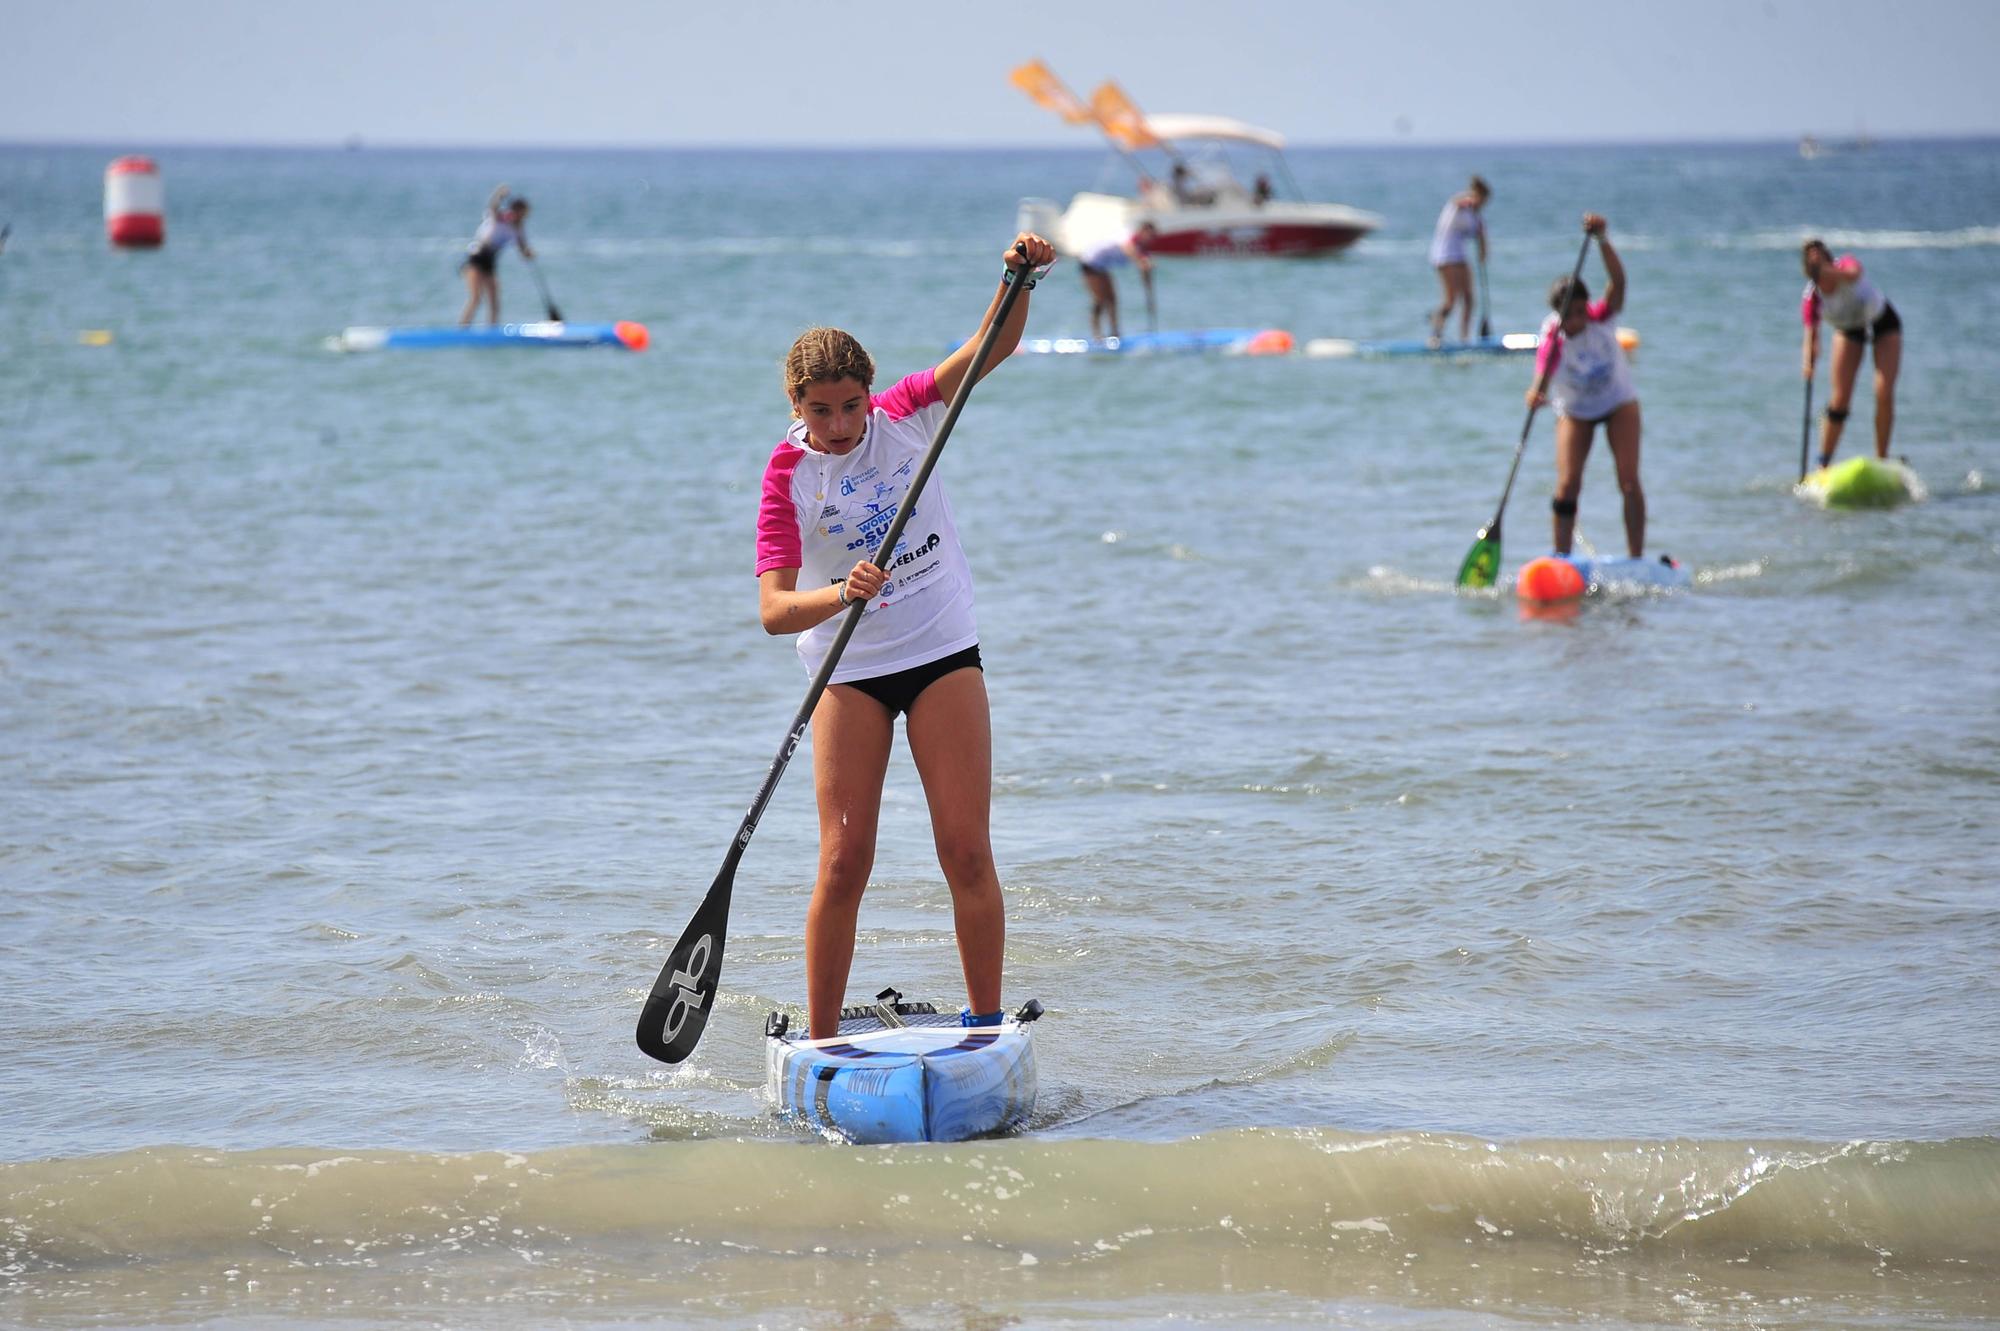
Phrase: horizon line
(361, 143)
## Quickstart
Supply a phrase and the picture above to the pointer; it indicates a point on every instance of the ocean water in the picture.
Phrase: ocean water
(370, 725)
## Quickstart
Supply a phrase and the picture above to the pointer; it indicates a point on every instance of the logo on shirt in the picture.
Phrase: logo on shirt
(852, 484)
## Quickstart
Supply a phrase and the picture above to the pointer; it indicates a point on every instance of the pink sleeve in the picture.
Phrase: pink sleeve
(1549, 354)
(779, 544)
(1809, 306)
(911, 394)
(1598, 310)
(1848, 264)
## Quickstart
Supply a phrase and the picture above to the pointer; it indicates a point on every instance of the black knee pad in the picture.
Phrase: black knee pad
(1836, 414)
(1563, 508)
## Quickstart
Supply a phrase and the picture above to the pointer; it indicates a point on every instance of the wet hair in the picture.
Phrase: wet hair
(1479, 186)
(1813, 247)
(1556, 288)
(515, 202)
(822, 356)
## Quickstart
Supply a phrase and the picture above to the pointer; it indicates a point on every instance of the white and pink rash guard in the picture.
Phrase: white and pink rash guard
(1587, 374)
(1850, 307)
(822, 514)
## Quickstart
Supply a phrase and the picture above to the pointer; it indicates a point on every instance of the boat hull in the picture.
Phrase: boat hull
(1232, 228)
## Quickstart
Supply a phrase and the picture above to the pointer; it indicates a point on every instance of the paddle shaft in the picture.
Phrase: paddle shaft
(671, 1023)
(1805, 434)
(1575, 275)
(1485, 303)
(555, 315)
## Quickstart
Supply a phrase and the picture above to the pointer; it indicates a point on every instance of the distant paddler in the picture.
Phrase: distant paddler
(1096, 264)
(1837, 290)
(1583, 365)
(1461, 227)
(502, 226)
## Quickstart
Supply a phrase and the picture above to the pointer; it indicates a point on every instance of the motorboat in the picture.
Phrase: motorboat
(1189, 185)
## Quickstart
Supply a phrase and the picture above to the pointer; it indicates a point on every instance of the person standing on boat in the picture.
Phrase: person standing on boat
(500, 228)
(1097, 263)
(1459, 226)
(830, 489)
(1837, 290)
(1580, 359)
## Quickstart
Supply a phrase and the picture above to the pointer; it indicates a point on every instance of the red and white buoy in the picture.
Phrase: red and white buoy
(135, 204)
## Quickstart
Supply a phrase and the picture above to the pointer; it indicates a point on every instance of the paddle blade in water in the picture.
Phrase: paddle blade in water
(671, 1023)
(1482, 562)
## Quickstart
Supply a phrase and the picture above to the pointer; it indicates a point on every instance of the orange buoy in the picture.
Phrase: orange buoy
(1550, 578)
(135, 204)
(1628, 340)
(633, 335)
(1270, 342)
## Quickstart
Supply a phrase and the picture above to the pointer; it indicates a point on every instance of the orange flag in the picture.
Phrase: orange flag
(1039, 82)
(1123, 121)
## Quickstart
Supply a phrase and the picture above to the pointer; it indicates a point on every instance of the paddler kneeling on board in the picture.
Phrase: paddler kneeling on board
(1096, 265)
(831, 489)
(500, 228)
(1580, 359)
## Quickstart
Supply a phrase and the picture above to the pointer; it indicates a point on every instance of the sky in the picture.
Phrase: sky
(898, 72)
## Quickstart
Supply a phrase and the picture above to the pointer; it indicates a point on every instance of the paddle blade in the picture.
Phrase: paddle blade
(555, 315)
(671, 1023)
(1482, 562)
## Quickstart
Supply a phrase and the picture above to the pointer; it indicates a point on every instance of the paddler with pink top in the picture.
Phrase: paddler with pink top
(1838, 291)
(832, 488)
(1582, 365)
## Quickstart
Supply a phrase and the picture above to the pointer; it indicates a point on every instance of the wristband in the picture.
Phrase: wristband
(840, 590)
(1032, 275)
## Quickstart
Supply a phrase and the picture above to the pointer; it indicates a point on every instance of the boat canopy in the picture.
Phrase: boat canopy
(1175, 128)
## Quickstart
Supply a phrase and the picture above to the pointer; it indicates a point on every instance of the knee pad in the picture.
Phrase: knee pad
(1836, 414)
(1562, 508)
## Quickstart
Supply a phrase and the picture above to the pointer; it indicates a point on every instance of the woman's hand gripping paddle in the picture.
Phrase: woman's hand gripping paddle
(671, 1022)
(1481, 565)
(555, 315)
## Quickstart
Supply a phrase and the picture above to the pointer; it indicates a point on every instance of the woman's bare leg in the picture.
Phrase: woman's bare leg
(851, 737)
(951, 738)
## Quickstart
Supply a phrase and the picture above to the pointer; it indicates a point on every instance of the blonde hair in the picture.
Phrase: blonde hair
(824, 355)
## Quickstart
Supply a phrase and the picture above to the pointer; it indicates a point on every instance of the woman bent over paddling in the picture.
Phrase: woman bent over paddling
(1581, 360)
(1857, 309)
(831, 489)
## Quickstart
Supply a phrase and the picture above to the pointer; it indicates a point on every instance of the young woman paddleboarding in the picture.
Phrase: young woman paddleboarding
(500, 228)
(831, 489)
(1581, 361)
(1838, 291)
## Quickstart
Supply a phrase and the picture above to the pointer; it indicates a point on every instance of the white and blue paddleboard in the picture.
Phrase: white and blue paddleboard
(1247, 341)
(1506, 344)
(624, 333)
(1648, 573)
(904, 1072)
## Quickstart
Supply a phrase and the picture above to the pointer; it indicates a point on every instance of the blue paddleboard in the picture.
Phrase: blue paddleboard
(1255, 341)
(1508, 344)
(904, 1072)
(544, 334)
